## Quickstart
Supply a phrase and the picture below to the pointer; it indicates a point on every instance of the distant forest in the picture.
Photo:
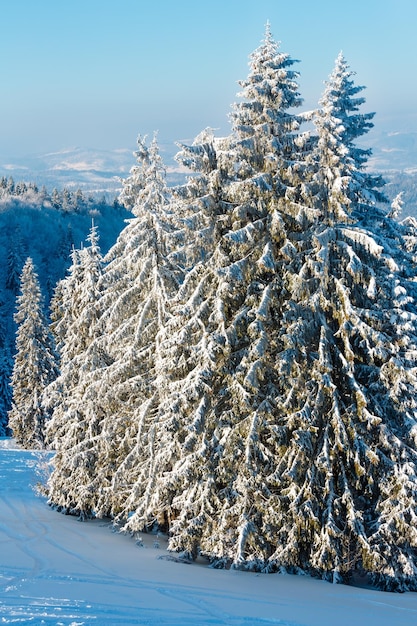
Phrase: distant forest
(44, 226)
(406, 183)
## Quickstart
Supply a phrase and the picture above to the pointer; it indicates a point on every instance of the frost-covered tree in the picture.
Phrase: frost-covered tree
(221, 340)
(113, 399)
(141, 276)
(365, 189)
(396, 206)
(68, 203)
(10, 186)
(15, 260)
(6, 366)
(63, 310)
(72, 318)
(56, 198)
(35, 363)
(346, 418)
(79, 200)
(74, 315)
(342, 93)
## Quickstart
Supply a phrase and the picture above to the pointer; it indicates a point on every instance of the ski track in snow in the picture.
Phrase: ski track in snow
(55, 570)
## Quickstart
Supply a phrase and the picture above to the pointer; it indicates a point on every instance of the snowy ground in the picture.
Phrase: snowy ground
(56, 570)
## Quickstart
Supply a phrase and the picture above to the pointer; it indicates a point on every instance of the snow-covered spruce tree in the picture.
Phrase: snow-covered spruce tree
(6, 366)
(341, 93)
(187, 242)
(141, 276)
(15, 260)
(343, 493)
(72, 322)
(99, 463)
(35, 363)
(133, 300)
(217, 367)
(63, 309)
(75, 313)
(365, 188)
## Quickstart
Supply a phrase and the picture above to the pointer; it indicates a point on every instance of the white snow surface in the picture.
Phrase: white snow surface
(57, 570)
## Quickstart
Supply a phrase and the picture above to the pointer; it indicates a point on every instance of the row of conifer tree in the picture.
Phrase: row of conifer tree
(240, 368)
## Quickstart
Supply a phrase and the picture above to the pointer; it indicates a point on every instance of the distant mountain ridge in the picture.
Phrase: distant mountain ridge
(95, 171)
(393, 151)
(100, 171)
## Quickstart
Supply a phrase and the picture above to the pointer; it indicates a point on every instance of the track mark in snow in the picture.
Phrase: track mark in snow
(390, 606)
(219, 616)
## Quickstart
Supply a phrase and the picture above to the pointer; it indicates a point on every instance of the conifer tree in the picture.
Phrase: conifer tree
(156, 275)
(74, 313)
(341, 94)
(365, 189)
(219, 345)
(116, 391)
(15, 260)
(63, 309)
(67, 200)
(139, 280)
(347, 415)
(35, 363)
(56, 198)
(6, 366)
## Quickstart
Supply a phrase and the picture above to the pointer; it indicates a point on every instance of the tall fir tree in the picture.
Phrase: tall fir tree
(219, 344)
(114, 391)
(341, 93)
(15, 259)
(365, 189)
(35, 363)
(74, 313)
(348, 411)
(139, 280)
(6, 367)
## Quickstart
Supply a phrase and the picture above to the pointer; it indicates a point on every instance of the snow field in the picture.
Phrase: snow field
(55, 570)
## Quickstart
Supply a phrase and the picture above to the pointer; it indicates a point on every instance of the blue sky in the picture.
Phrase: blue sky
(96, 73)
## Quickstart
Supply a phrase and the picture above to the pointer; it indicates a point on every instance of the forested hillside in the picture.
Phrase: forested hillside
(240, 368)
(44, 226)
(406, 184)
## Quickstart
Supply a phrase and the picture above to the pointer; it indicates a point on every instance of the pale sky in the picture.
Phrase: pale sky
(96, 73)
